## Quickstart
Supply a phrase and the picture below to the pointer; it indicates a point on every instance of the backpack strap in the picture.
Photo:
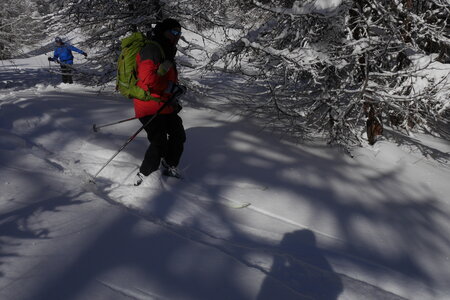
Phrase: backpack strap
(153, 51)
(159, 47)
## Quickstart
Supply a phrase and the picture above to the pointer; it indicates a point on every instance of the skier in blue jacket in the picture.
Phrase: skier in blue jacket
(63, 55)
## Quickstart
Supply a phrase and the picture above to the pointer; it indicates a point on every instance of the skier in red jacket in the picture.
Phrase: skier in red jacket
(157, 73)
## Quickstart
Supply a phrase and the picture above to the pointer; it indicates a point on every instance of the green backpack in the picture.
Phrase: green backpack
(126, 67)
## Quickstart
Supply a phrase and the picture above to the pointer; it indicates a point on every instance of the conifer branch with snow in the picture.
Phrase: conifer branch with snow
(315, 67)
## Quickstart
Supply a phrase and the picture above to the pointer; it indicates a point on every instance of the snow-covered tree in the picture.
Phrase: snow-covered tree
(330, 67)
(334, 66)
(20, 25)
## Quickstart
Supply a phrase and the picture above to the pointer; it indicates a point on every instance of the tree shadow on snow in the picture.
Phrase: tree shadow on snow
(21, 226)
(217, 158)
(234, 153)
(18, 79)
(202, 254)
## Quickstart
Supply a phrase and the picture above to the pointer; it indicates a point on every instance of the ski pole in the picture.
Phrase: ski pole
(96, 128)
(127, 142)
(176, 95)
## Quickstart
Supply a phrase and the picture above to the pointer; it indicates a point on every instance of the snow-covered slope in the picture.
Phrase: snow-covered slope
(320, 225)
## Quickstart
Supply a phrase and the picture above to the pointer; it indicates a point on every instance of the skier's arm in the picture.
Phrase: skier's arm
(148, 79)
(149, 76)
(154, 73)
(73, 48)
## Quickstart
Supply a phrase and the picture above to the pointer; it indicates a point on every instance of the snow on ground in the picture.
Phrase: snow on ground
(320, 225)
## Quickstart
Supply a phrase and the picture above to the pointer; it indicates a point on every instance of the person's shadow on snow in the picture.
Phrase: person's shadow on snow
(300, 271)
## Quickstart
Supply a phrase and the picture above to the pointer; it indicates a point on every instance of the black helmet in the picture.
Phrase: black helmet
(166, 24)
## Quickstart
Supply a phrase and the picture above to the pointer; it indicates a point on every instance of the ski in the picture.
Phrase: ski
(169, 174)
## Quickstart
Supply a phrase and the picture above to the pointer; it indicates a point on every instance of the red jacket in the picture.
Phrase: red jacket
(148, 61)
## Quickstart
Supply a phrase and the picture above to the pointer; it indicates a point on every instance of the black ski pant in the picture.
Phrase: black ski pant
(66, 74)
(167, 136)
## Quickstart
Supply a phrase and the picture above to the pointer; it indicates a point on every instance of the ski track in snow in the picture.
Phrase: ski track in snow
(133, 294)
(200, 236)
(102, 191)
(69, 169)
(223, 245)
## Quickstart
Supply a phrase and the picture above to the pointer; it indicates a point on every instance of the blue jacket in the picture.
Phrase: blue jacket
(64, 54)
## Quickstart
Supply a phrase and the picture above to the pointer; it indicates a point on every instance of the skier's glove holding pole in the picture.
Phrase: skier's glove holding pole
(54, 60)
(175, 90)
(178, 90)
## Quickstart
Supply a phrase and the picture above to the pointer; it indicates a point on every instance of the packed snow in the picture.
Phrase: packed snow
(256, 216)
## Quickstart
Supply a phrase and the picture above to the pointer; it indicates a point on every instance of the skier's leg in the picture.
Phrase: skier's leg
(64, 74)
(157, 136)
(176, 139)
(69, 75)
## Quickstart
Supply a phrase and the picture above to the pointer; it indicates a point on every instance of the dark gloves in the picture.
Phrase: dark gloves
(177, 92)
(54, 59)
(175, 89)
(176, 105)
(85, 54)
